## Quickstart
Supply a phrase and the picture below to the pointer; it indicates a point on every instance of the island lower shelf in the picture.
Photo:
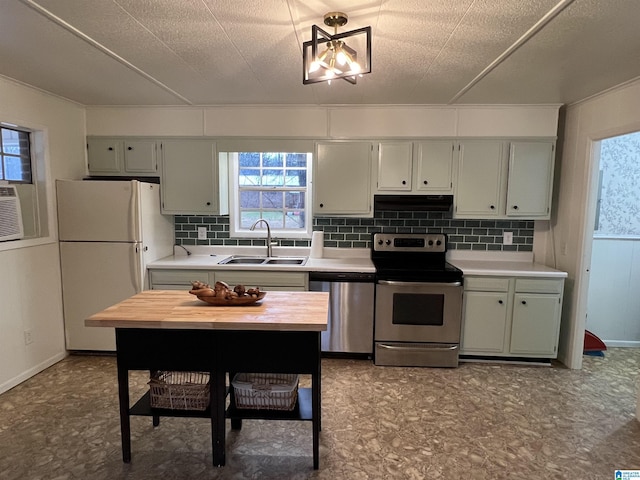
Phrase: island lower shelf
(302, 410)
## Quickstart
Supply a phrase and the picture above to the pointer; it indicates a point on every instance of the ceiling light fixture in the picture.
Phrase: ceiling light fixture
(337, 60)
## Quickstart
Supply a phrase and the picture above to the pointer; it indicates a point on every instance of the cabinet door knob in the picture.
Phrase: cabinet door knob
(500, 302)
(131, 148)
(404, 182)
(425, 182)
(515, 207)
(321, 205)
(110, 149)
(492, 207)
(524, 302)
(208, 203)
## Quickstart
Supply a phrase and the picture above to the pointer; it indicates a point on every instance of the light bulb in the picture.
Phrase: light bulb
(330, 73)
(355, 67)
(341, 58)
(315, 65)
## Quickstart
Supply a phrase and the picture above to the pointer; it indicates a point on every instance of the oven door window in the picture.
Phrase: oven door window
(418, 309)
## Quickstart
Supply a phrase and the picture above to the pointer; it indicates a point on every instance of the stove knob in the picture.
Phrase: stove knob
(380, 242)
(438, 243)
(430, 242)
(388, 242)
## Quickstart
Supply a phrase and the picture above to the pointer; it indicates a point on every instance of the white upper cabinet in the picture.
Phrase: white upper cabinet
(500, 179)
(434, 166)
(530, 179)
(480, 178)
(423, 167)
(189, 183)
(342, 178)
(395, 161)
(120, 157)
(141, 156)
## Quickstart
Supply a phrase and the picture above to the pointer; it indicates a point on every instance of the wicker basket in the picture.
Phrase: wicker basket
(265, 391)
(179, 390)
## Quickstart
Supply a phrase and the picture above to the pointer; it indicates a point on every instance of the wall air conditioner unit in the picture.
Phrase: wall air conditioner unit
(11, 227)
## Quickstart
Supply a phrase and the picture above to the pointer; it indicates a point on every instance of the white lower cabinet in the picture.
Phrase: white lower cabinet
(511, 316)
(178, 279)
(265, 279)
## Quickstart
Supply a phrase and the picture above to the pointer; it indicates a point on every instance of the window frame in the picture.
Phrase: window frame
(39, 193)
(26, 158)
(235, 230)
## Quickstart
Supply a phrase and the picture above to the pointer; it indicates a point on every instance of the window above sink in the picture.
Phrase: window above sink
(271, 185)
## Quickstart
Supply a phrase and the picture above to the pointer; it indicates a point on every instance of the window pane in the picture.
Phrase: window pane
(294, 200)
(275, 219)
(249, 159)
(295, 219)
(272, 199)
(248, 218)
(273, 177)
(272, 160)
(297, 160)
(296, 178)
(14, 169)
(249, 176)
(249, 199)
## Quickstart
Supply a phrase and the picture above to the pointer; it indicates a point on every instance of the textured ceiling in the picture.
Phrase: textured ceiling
(221, 52)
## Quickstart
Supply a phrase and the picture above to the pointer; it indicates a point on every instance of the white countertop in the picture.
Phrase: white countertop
(353, 260)
(334, 259)
(501, 264)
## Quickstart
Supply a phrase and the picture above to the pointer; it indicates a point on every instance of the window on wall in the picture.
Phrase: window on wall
(15, 155)
(22, 164)
(274, 186)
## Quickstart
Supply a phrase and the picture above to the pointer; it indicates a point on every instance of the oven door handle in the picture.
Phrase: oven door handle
(420, 284)
(418, 349)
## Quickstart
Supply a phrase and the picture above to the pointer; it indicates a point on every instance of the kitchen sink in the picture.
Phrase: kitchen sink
(255, 260)
(286, 261)
(244, 260)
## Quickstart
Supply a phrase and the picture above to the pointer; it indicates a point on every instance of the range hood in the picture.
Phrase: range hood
(421, 203)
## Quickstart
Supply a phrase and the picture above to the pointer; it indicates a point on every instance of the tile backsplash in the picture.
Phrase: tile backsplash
(349, 232)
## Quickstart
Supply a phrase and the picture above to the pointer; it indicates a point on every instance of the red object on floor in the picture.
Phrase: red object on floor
(592, 343)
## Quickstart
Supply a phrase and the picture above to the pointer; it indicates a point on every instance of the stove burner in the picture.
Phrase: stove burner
(412, 257)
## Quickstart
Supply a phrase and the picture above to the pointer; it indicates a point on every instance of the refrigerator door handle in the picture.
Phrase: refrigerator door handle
(134, 217)
(136, 267)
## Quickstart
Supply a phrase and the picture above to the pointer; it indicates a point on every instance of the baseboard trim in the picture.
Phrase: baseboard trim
(621, 343)
(26, 375)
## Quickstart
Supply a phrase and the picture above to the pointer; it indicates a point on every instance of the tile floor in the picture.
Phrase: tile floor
(478, 421)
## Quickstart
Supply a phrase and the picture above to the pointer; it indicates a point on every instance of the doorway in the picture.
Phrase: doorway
(613, 305)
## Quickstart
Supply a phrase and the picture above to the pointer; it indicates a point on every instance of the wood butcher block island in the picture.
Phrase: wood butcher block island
(279, 311)
(173, 330)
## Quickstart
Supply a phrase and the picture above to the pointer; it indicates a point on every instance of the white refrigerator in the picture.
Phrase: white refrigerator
(108, 231)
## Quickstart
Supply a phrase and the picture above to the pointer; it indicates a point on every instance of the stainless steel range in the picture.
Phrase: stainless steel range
(418, 307)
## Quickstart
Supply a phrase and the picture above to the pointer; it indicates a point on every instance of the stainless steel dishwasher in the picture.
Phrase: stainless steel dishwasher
(351, 303)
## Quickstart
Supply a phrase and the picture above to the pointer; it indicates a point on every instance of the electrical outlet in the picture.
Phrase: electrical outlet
(28, 337)
(202, 233)
(507, 238)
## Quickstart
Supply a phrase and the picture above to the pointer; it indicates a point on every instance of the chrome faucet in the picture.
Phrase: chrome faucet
(253, 227)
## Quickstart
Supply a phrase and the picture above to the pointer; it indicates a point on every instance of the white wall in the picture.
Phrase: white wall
(567, 240)
(364, 121)
(30, 286)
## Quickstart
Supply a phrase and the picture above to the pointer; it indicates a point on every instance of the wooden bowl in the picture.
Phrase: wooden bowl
(232, 302)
